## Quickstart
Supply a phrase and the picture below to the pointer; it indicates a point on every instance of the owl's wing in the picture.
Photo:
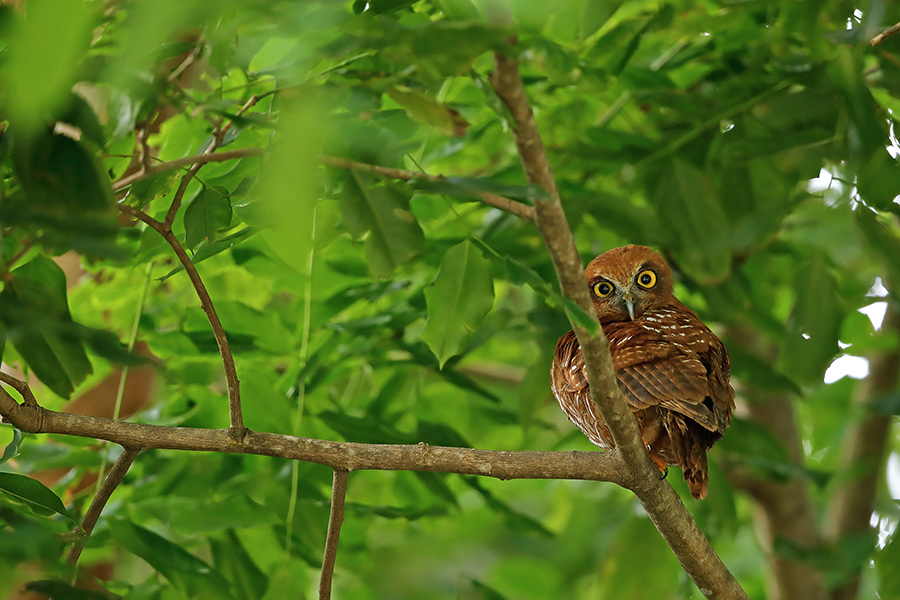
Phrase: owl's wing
(568, 365)
(652, 371)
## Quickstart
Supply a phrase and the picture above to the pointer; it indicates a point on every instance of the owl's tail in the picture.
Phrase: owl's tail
(689, 442)
(696, 470)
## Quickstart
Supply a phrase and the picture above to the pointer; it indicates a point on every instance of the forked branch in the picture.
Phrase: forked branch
(340, 456)
(237, 428)
(660, 501)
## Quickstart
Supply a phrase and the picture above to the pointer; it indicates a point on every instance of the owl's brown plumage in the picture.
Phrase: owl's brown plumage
(672, 370)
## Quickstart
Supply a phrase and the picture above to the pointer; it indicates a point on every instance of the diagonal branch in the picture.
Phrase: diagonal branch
(335, 520)
(112, 481)
(511, 206)
(237, 428)
(340, 456)
(197, 159)
(892, 30)
(660, 501)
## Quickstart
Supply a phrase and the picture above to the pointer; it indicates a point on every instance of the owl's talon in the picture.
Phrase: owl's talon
(665, 474)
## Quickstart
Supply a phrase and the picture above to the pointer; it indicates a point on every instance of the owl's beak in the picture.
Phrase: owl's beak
(629, 305)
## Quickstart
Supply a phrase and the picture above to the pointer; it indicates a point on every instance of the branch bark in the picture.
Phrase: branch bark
(112, 481)
(511, 206)
(237, 428)
(892, 30)
(862, 454)
(784, 509)
(340, 456)
(335, 520)
(197, 159)
(660, 501)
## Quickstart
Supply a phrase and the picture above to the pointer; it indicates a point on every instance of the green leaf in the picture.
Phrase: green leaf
(884, 242)
(424, 109)
(886, 561)
(208, 250)
(383, 212)
(814, 323)
(638, 543)
(12, 448)
(61, 176)
(205, 216)
(689, 203)
(61, 590)
(32, 493)
(468, 186)
(233, 560)
(191, 576)
(460, 296)
(35, 313)
(878, 182)
(284, 201)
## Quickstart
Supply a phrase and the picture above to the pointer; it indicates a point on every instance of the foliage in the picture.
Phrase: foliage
(752, 142)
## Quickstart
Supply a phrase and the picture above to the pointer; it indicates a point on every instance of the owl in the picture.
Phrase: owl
(672, 370)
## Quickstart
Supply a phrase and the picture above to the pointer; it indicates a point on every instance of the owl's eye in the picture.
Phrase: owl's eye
(602, 289)
(646, 279)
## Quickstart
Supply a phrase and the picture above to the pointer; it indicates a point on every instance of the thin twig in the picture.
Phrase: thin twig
(522, 211)
(186, 161)
(234, 395)
(21, 387)
(662, 504)
(335, 520)
(110, 483)
(893, 29)
(144, 156)
(344, 456)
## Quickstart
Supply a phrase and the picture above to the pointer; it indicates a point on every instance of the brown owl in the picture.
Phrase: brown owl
(672, 370)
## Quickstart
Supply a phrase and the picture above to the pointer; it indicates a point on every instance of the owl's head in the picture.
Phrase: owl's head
(627, 282)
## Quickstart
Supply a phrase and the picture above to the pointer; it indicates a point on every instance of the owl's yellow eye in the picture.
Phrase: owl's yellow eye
(602, 289)
(646, 279)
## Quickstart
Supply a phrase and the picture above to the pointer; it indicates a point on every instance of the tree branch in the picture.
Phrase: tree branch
(862, 454)
(112, 481)
(335, 520)
(511, 206)
(785, 509)
(892, 30)
(201, 159)
(340, 456)
(237, 428)
(660, 501)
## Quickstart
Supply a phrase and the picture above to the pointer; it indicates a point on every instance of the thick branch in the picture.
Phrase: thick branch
(200, 159)
(335, 520)
(340, 456)
(660, 501)
(784, 509)
(234, 394)
(112, 481)
(892, 30)
(511, 206)
(862, 453)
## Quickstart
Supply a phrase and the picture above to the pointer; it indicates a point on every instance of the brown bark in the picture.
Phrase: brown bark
(862, 454)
